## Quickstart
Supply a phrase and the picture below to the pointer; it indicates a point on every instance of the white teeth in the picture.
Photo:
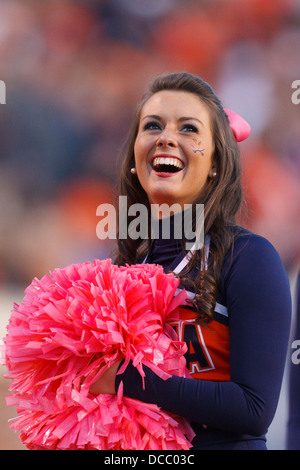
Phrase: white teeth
(167, 161)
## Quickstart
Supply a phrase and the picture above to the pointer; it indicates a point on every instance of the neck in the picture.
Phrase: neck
(164, 210)
(167, 228)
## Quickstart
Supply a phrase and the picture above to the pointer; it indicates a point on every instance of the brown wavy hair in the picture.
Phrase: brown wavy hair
(221, 196)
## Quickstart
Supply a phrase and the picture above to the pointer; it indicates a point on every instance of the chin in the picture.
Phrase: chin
(164, 198)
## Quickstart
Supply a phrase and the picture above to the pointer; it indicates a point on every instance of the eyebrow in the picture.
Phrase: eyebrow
(181, 119)
(190, 118)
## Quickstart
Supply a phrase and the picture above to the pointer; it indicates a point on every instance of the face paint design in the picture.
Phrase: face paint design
(196, 147)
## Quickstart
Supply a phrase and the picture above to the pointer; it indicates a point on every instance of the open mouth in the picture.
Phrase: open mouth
(167, 164)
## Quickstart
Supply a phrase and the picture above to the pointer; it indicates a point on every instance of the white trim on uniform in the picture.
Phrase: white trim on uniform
(219, 308)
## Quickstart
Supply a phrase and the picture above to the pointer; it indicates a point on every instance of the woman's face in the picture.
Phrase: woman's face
(174, 147)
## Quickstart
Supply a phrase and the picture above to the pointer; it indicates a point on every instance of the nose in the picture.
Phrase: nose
(166, 138)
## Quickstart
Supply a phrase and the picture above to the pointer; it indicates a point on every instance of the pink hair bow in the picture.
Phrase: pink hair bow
(240, 128)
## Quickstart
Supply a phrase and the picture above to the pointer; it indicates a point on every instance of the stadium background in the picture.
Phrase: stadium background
(74, 71)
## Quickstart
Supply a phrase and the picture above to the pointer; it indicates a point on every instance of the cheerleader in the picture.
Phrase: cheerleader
(183, 150)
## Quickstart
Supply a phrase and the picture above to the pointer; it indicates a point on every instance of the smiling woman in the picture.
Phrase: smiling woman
(235, 323)
(179, 114)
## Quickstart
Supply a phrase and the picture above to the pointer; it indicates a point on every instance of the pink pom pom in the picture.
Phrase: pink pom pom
(75, 321)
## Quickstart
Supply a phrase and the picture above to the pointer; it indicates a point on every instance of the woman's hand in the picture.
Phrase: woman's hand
(106, 383)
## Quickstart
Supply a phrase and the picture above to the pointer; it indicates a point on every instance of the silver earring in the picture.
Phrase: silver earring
(133, 171)
(214, 174)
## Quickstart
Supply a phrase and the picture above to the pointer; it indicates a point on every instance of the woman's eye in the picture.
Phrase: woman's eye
(152, 125)
(189, 128)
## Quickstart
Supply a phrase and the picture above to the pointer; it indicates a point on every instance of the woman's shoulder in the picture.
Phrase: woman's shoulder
(245, 240)
(251, 251)
(253, 273)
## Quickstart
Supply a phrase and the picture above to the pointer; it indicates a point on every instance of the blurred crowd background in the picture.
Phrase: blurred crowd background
(74, 71)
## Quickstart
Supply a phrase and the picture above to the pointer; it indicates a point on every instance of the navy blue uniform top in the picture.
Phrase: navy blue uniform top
(254, 301)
